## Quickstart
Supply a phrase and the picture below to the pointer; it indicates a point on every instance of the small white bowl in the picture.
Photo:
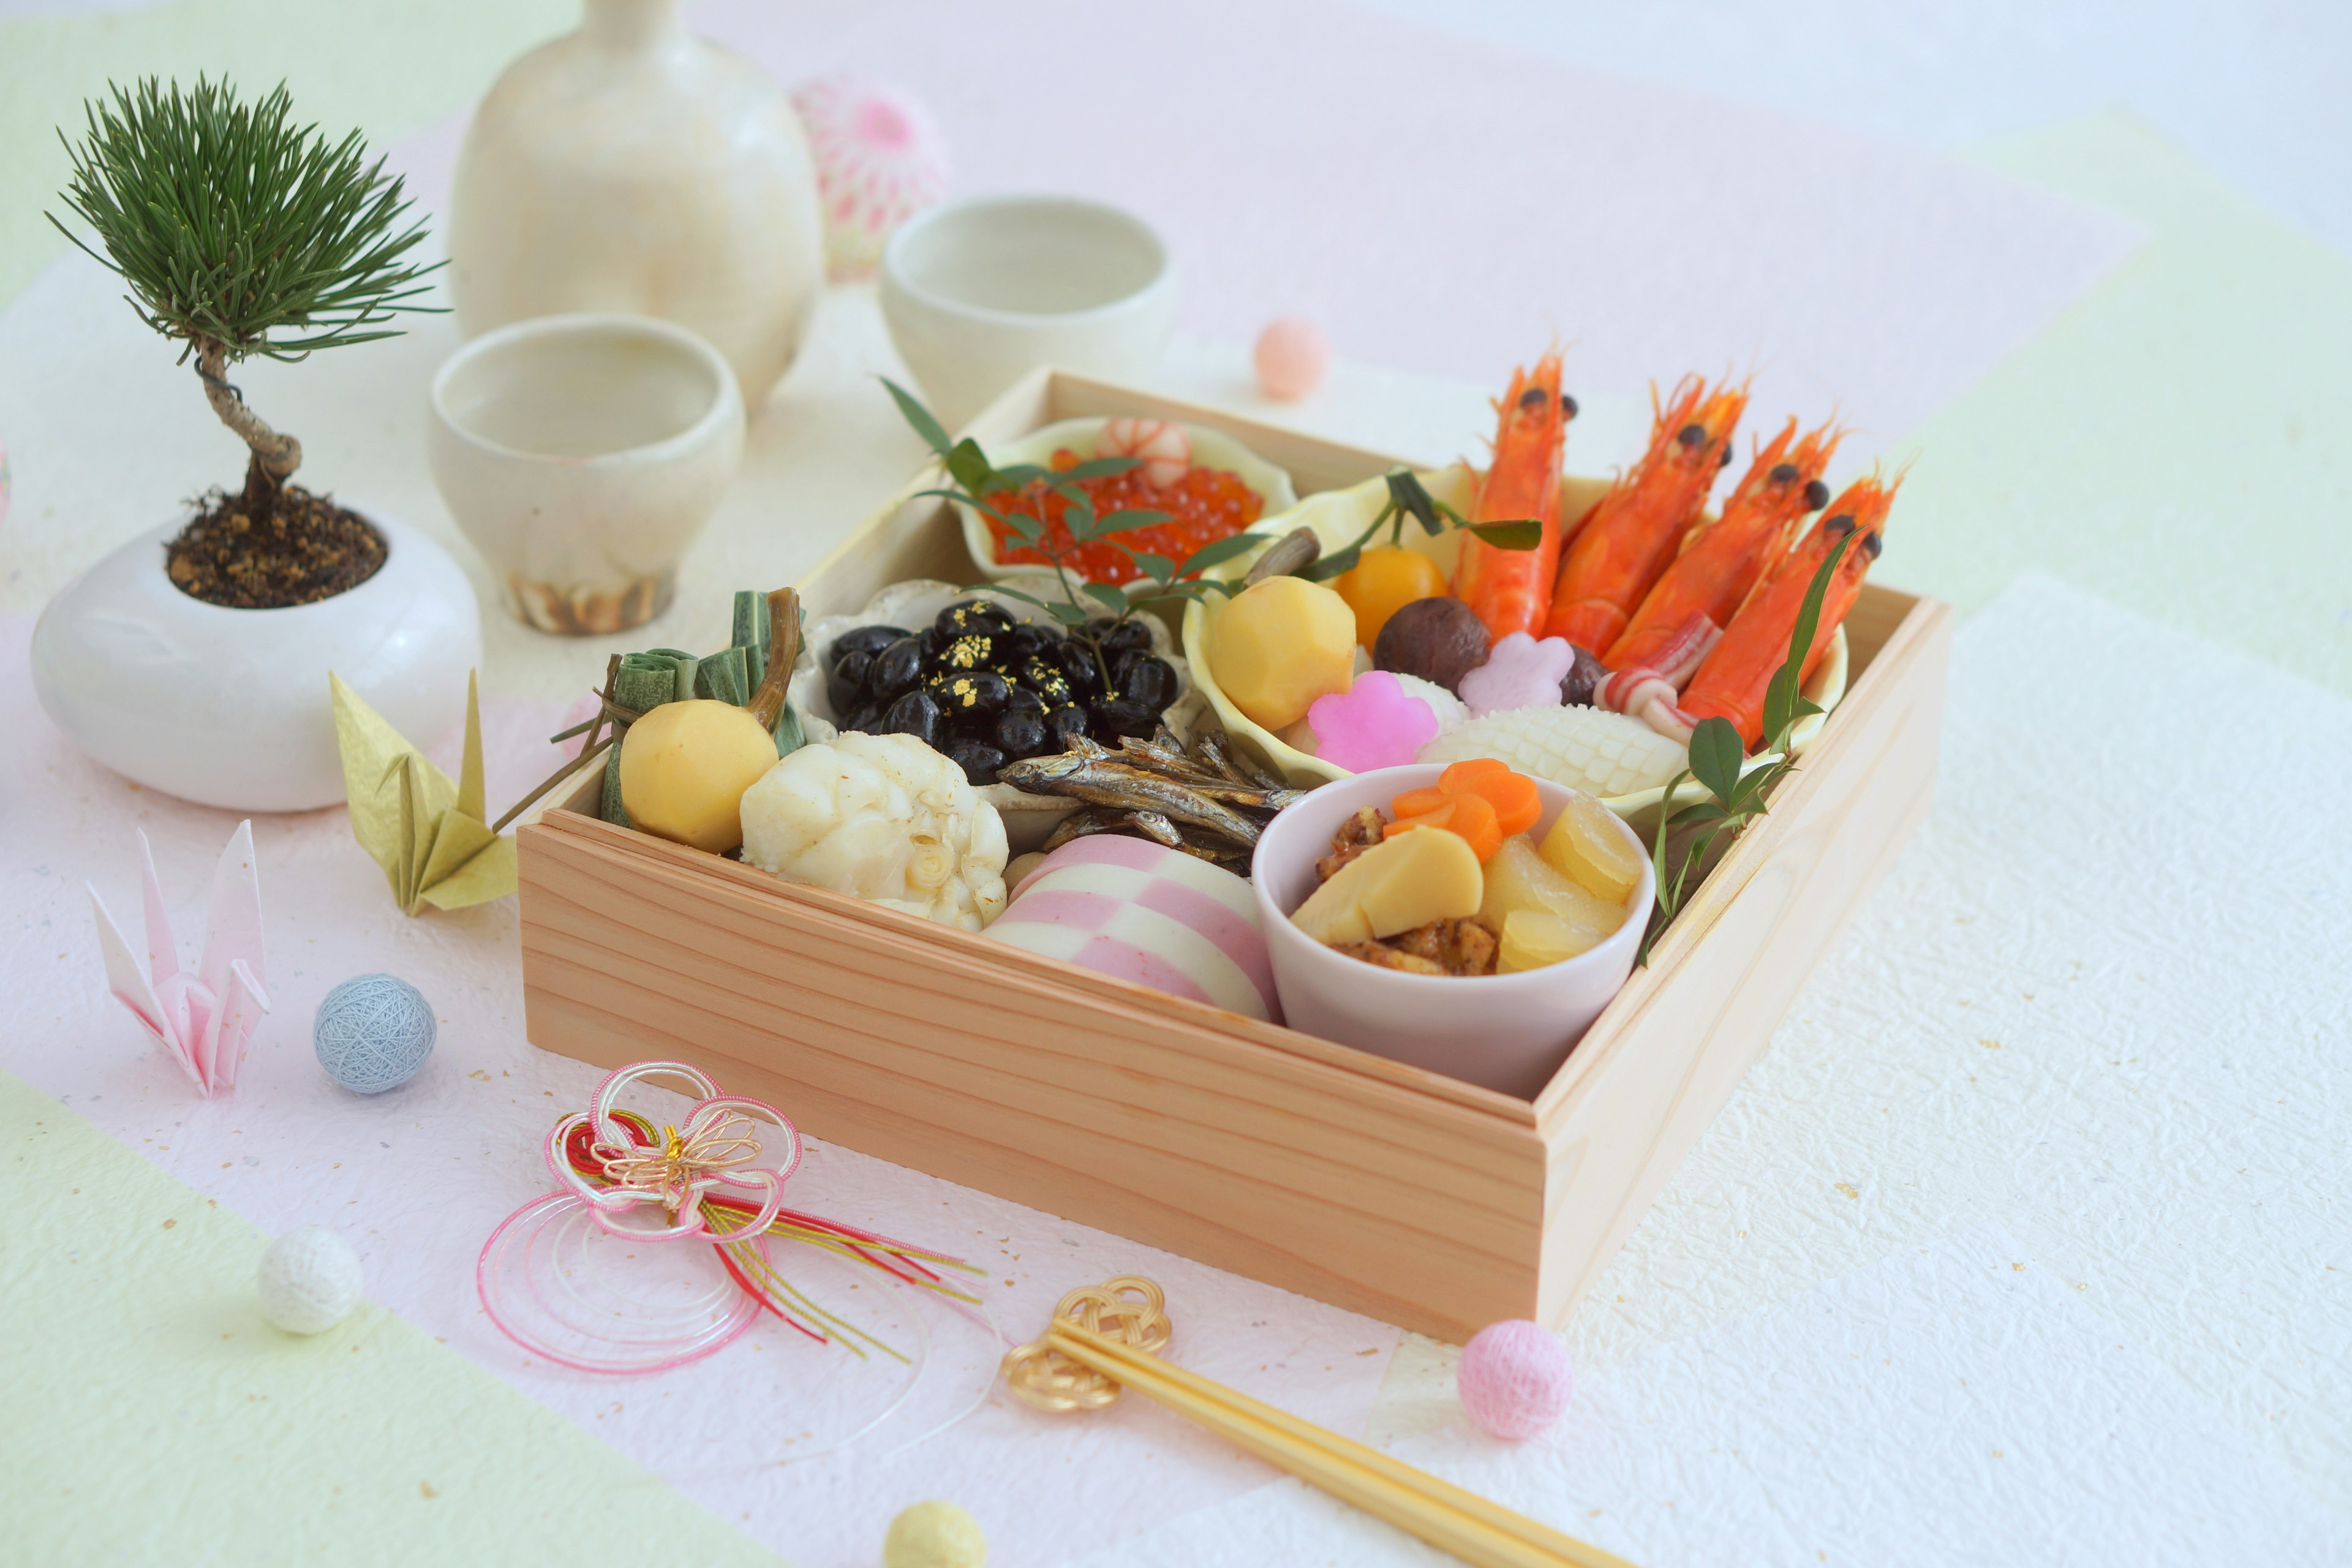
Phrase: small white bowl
(1211, 449)
(582, 454)
(1509, 1033)
(230, 707)
(979, 292)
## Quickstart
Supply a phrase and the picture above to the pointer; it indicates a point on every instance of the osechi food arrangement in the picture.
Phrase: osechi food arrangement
(1031, 759)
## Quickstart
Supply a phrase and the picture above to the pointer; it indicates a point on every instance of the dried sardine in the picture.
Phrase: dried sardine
(1101, 781)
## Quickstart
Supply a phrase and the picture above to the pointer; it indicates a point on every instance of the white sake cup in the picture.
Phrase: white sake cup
(582, 454)
(1504, 1031)
(979, 292)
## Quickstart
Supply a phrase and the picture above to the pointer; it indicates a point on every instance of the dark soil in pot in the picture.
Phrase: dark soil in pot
(302, 548)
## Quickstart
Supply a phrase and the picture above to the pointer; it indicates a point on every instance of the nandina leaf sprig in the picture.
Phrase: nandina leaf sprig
(1716, 760)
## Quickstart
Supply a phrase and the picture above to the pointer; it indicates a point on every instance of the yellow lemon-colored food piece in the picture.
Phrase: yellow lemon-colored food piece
(1532, 939)
(1279, 646)
(683, 768)
(1384, 580)
(1587, 846)
(1519, 878)
(1406, 882)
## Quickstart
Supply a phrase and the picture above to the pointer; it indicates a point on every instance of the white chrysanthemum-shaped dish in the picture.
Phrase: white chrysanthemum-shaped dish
(1339, 519)
(1211, 448)
(913, 604)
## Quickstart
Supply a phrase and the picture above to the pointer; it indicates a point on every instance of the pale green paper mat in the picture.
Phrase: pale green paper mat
(156, 1417)
(2176, 443)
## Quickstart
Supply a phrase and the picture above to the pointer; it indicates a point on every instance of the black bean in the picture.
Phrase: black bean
(1027, 642)
(868, 640)
(1111, 716)
(1118, 639)
(1150, 683)
(1064, 725)
(1077, 662)
(970, 693)
(868, 719)
(973, 616)
(1026, 700)
(915, 714)
(845, 687)
(1021, 733)
(935, 641)
(973, 650)
(896, 669)
(978, 760)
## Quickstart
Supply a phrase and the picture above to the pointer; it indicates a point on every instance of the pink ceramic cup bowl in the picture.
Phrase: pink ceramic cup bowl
(1504, 1031)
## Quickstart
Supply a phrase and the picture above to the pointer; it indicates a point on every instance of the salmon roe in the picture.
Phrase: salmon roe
(1204, 506)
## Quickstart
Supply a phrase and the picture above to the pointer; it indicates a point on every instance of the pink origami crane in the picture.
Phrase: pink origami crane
(202, 1020)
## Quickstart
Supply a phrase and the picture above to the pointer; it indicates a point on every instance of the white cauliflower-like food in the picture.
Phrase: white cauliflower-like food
(882, 817)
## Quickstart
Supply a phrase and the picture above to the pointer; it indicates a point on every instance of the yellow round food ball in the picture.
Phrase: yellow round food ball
(934, 1535)
(1384, 580)
(1279, 646)
(683, 768)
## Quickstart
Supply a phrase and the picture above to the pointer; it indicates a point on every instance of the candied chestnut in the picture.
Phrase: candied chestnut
(969, 616)
(1438, 638)
(845, 685)
(1020, 733)
(970, 693)
(1065, 725)
(896, 671)
(1111, 716)
(916, 714)
(978, 759)
(868, 640)
(1583, 678)
(1148, 683)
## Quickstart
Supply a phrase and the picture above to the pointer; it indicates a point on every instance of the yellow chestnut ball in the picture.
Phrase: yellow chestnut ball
(934, 1535)
(1384, 580)
(683, 768)
(1279, 646)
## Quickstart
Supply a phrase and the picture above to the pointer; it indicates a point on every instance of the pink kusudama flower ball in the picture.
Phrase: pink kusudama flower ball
(1516, 1378)
(1292, 355)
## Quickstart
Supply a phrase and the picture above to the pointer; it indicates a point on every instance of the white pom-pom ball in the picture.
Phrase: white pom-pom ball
(309, 1280)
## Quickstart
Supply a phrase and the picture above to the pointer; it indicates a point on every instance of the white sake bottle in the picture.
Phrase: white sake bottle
(631, 166)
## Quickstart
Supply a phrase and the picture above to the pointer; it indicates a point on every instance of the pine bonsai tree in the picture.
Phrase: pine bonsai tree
(238, 234)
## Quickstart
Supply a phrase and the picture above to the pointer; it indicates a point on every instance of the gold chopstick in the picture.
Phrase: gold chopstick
(1471, 1528)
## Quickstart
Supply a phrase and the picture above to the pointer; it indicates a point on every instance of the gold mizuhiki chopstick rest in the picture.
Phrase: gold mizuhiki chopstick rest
(1103, 1339)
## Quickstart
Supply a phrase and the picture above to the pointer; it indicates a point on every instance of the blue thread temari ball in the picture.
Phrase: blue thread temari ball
(372, 1032)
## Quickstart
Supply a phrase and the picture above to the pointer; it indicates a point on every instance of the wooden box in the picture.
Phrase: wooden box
(1398, 1193)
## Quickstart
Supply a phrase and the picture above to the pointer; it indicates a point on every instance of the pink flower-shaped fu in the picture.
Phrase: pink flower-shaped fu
(712, 1149)
(1375, 723)
(1519, 672)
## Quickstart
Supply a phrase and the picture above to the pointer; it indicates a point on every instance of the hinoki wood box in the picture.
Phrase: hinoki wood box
(1380, 1187)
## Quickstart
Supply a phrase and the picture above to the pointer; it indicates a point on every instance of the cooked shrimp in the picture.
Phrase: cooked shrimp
(1509, 588)
(1633, 534)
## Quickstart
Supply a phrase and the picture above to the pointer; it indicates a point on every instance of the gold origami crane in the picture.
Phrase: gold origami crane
(432, 837)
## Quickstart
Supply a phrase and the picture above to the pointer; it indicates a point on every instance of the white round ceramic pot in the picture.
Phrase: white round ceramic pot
(230, 707)
(978, 292)
(582, 455)
(1504, 1031)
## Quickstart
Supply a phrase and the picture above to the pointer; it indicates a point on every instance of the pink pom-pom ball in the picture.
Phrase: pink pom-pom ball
(1292, 355)
(879, 161)
(1516, 1378)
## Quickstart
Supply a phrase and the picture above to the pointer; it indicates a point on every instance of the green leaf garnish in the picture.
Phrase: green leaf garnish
(1715, 753)
(1109, 596)
(933, 432)
(1523, 534)
(1217, 551)
(1127, 517)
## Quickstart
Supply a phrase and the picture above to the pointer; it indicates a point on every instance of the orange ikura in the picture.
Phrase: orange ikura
(1731, 683)
(1509, 588)
(1721, 561)
(1624, 546)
